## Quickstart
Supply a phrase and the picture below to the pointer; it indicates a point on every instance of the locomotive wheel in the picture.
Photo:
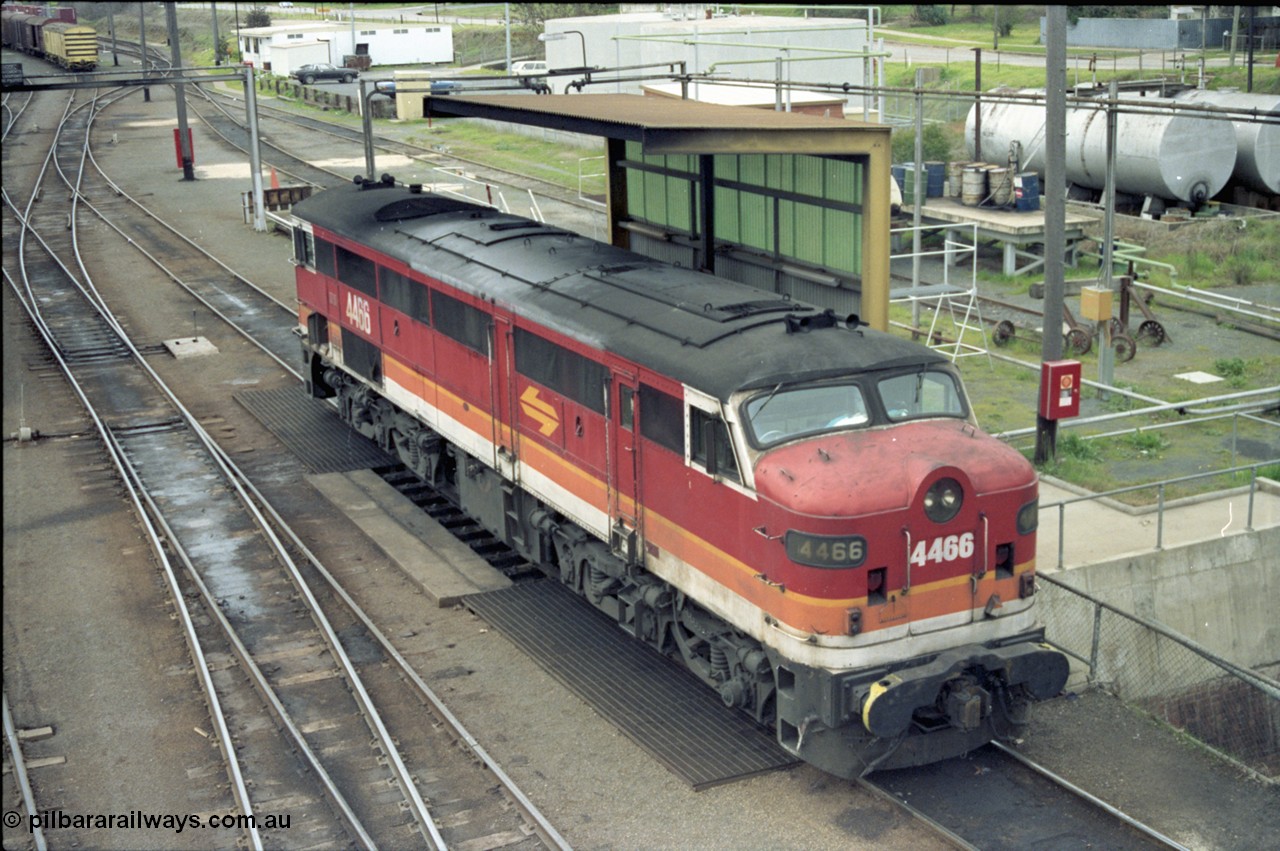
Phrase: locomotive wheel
(1004, 332)
(1125, 347)
(1153, 331)
(1117, 328)
(1078, 341)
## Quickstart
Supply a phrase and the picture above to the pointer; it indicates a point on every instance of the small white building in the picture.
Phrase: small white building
(702, 40)
(281, 48)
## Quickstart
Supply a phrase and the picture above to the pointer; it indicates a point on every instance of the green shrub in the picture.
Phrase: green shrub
(1148, 443)
(1229, 367)
(929, 15)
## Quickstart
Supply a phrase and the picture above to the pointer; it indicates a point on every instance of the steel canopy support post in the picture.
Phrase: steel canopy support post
(917, 200)
(180, 95)
(1107, 355)
(255, 155)
(1055, 210)
(366, 123)
(142, 37)
(977, 104)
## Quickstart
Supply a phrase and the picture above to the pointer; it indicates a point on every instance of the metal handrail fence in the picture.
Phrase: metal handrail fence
(1232, 710)
(1160, 487)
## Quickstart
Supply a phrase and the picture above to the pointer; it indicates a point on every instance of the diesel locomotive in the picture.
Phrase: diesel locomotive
(798, 507)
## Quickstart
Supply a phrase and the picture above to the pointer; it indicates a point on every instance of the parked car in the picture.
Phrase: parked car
(445, 87)
(528, 69)
(308, 74)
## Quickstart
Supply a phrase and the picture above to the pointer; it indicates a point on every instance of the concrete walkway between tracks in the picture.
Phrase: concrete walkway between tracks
(1101, 529)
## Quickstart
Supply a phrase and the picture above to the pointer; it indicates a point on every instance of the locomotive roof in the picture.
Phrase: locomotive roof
(711, 333)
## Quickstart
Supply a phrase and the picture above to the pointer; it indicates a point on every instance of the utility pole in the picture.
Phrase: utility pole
(217, 44)
(1055, 210)
(1249, 49)
(111, 27)
(1235, 33)
(146, 64)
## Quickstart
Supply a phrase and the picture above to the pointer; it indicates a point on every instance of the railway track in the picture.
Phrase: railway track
(347, 626)
(996, 799)
(258, 614)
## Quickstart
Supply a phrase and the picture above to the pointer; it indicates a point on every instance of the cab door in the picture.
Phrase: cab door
(625, 511)
(502, 390)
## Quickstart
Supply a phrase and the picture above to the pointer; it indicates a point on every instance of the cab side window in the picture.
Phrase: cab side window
(709, 445)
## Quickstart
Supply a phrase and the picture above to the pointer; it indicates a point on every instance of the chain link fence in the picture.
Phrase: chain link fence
(1232, 710)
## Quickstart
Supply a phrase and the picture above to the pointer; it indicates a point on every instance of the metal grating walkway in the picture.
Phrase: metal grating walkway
(312, 430)
(657, 704)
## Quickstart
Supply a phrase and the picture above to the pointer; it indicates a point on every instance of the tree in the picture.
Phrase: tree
(930, 16)
(257, 17)
(537, 14)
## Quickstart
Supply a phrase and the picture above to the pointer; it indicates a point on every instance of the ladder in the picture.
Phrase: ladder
(960, 306)
(955, 300)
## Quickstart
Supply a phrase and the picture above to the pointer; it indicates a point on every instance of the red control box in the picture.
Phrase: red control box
(1059, 389)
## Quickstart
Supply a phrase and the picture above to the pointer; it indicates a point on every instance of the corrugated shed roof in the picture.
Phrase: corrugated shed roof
(666, 125)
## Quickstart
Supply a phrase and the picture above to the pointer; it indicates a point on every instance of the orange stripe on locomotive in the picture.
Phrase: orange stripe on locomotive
(714, 536)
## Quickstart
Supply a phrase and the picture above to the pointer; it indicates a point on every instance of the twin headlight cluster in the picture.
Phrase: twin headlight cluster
(943, 500)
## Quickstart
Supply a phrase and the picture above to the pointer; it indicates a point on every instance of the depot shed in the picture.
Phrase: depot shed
(790, 203)
(281, 48)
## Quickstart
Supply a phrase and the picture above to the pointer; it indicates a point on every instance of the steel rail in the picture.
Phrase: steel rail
(947, 835)
(533, 816)
(540, 823)
(317, 616)
(20, 772)
(1090, 798)
(82, 198)
(217, 717)
(177, 279)
(129, 474)
(368, 709)
(239, 789)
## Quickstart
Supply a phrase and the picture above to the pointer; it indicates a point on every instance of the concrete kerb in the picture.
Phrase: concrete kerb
(1265, 485)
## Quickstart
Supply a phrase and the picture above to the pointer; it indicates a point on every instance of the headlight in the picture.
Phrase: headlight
(942, 501)
(1028, 518)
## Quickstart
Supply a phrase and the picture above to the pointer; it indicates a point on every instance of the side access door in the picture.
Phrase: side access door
(625, 509)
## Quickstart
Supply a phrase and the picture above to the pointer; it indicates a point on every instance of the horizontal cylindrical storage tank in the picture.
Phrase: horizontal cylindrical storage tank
(1172, 156)
(1257, 145)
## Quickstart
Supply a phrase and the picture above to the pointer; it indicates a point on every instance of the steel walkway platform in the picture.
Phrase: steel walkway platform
(312, 430)
(656, 703)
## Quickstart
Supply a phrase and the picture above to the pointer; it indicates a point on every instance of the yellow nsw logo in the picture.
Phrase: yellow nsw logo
(540, 411)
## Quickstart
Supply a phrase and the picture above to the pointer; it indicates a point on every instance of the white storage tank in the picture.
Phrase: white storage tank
(1171, 156)
(1257, 144)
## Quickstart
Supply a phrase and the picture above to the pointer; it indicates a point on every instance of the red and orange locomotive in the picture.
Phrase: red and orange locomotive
(799, 508)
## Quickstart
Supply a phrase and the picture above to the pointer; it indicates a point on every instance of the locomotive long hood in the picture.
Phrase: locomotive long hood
(867, 472)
